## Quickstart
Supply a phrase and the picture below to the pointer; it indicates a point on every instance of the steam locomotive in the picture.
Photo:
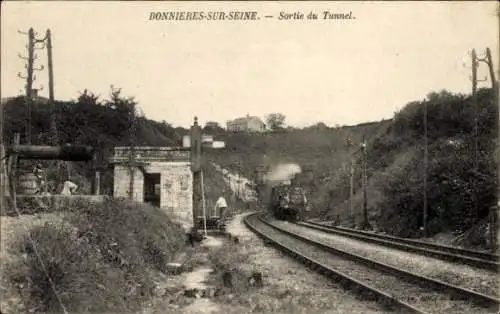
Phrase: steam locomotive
(285, 200)
(288, 202)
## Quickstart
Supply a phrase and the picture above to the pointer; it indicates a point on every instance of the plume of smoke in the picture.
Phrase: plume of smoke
(283, 172)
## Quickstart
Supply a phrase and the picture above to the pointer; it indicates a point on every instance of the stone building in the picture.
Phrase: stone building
(162, 176)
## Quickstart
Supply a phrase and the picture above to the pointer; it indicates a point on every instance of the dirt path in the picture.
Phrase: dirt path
(288, 286)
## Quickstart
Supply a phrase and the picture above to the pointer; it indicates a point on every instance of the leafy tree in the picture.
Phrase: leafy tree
(88, 98)
(275, 121)
(213, 127)
(89, 120)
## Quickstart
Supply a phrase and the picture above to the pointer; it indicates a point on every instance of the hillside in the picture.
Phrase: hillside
(89, 120)
(394, 163)
(324, 149)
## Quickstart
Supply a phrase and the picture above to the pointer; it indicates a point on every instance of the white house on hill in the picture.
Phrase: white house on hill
(246, 124)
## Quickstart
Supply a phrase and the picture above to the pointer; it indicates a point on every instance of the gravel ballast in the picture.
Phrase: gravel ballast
(427, 299)
(479, 280)
(289, 287)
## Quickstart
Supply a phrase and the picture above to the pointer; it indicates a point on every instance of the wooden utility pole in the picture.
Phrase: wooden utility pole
(238, 185)
(475, 132)
(196, 168)
(351, 178)
(3, 172)
(30, 78)
(351, 186)
(29, 81)
(494, 209)
(53, 125)
(426, 159)
(132, 153)
(365, 183)
(494, 84)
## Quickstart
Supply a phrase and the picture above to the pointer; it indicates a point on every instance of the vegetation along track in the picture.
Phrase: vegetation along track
(478, 259)
(394, 288)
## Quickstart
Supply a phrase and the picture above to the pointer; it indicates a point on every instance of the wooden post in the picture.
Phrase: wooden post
(94, 176)
(196, 167)
(29, 84)
(203, 204)
(53, 126)
(3, 175)
(475, 133)
(97, 183)
(491, 69)
(351, 177)
(493, 227)
(426, 158)
(365, 183)
(351, 188)
(495, 87)
(3, 166)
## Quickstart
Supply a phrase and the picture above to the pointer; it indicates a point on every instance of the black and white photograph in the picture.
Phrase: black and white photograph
(249, 157)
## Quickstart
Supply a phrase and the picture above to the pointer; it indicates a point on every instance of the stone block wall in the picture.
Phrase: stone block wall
(177, 190)
(121, 184)
(176, 186)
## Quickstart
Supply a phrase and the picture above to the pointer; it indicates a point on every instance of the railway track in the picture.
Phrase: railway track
(395, 289)
(477, 259)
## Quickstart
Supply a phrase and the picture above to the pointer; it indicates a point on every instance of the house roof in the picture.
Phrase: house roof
(245, 119)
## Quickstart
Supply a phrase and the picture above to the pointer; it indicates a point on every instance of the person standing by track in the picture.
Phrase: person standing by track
(221, 205)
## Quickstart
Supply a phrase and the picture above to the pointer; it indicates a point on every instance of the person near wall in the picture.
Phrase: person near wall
(69, 188)
(221, 205)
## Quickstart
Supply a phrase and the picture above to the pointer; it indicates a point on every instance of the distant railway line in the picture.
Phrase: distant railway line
(395, 289)
(478, 259)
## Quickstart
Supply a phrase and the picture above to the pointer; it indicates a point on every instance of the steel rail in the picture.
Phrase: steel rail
(449, 253)
(348, 282)
(456, 292)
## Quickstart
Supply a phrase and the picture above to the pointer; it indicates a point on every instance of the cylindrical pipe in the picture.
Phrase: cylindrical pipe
(66, 152)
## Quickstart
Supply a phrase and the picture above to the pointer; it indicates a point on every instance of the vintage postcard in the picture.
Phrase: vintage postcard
(249, 157)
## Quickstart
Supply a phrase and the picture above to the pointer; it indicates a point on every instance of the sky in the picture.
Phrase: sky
(332, 71)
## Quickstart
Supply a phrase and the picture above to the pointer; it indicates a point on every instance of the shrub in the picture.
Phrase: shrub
(101, 260)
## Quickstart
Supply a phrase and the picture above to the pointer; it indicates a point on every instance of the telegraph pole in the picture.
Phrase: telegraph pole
(30, 77)
(494, 84)
(475, 131)
(351, 178)
(132, 153)
(351, 186)
(53, 125)
(494, 210)
(365, 183)
(29, 81)
(239, 179)
(3, 172)
(31, 60)
(426, 158)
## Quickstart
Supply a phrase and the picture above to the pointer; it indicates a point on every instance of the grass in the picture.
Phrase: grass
(102, 258)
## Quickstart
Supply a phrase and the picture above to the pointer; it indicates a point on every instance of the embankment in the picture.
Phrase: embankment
(91, 257)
